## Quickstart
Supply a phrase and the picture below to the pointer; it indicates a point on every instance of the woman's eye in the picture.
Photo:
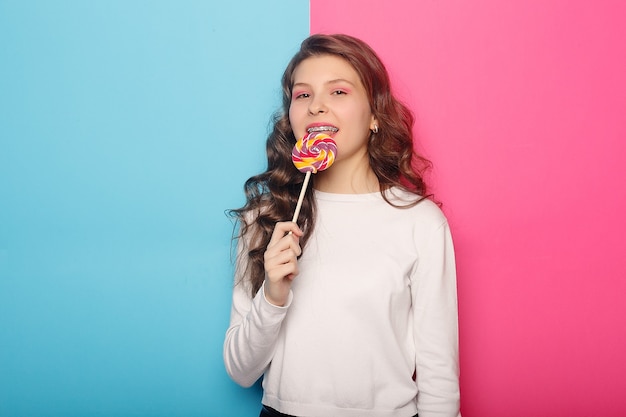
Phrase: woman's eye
(300, 95)
(339, 92)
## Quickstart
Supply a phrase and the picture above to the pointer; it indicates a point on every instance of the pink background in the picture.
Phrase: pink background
(521, 106)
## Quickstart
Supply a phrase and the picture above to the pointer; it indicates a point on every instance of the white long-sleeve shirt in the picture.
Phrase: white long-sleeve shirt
(374, 302)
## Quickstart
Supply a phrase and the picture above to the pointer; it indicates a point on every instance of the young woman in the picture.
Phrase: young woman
(352, 310)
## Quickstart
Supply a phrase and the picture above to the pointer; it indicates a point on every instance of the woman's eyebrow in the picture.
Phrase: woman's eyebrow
(339, 80)
(335, 81)
(300, 85)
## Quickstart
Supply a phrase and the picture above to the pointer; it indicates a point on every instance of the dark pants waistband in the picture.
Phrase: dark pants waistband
(270, 412)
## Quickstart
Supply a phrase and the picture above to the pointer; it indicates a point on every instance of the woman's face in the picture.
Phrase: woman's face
(328, 96)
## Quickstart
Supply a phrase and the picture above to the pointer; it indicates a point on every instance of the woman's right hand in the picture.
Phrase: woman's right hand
(281, 261)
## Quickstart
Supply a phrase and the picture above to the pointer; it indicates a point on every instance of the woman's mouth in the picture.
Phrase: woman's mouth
(325, 129)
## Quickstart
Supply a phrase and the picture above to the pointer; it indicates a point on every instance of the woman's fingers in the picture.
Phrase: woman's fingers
(282, 230)
(283, 247)
(281, 261)
(279, 257)
(285, 271)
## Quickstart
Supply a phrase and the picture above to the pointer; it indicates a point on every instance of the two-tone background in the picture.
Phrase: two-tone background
(127, 128)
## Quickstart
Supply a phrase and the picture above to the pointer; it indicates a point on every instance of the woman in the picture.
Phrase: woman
(353, 313)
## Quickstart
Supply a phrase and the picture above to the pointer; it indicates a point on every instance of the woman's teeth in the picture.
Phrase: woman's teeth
(322, 129)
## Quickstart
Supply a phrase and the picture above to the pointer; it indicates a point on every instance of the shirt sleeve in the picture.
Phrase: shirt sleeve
(435, 320)
(254, 326)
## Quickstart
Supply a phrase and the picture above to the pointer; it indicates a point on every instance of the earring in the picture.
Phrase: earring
(375, 130)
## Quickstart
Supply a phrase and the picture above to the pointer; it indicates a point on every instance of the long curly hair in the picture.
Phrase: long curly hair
(272, 195)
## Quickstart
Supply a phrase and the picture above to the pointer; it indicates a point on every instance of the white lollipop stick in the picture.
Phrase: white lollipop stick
(301, 197)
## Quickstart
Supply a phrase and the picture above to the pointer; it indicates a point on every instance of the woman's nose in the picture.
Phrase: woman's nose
(317, 106)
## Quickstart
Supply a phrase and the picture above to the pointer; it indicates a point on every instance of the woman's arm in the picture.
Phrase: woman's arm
(436, 324)
(255, 322)
(251, 337)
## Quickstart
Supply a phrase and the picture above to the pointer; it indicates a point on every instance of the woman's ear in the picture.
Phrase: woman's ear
(374, 125)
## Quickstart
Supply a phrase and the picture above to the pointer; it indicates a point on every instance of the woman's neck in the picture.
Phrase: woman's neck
(345, 177)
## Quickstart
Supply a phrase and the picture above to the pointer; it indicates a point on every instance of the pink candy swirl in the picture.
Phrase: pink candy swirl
(314, 152)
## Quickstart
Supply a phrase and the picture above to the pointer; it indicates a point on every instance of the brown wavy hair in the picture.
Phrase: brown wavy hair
(272, 195)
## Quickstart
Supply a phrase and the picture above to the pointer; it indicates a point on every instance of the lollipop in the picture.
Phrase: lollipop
(312, 153)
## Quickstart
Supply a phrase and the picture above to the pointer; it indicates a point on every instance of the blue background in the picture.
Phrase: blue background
(127, 128)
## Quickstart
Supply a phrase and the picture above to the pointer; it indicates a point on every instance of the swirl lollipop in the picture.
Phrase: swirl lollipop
(312, 153)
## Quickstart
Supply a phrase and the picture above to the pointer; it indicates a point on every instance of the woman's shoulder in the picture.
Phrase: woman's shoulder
(416, 203)
(419, 214)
